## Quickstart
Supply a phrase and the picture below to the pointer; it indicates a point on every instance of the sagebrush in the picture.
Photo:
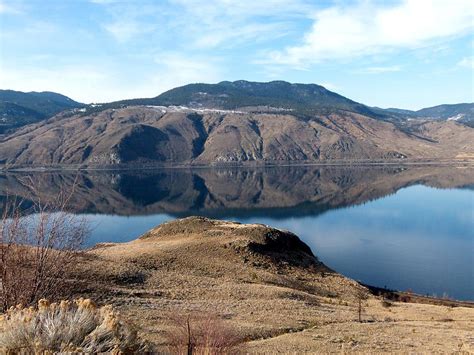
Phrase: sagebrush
(74, 327)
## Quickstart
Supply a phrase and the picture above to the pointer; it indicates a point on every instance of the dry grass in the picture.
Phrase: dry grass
(77, 326)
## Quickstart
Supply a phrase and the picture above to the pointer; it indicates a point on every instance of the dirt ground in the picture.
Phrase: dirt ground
(267, 286)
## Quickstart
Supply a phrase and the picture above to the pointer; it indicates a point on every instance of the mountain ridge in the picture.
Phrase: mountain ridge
(19, 108)
(183, 95)
(237, 122)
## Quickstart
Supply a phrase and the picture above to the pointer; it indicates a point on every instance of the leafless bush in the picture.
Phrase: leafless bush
(202, 334)
(78, 327)
(37, 247)
(361, 296)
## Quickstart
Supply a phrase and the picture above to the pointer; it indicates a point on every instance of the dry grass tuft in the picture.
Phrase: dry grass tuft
(78, 326)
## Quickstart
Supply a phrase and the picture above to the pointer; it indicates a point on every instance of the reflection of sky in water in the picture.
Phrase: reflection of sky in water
(420, 238)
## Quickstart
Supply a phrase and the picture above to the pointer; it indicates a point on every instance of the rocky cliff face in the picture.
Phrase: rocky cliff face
(142, 135)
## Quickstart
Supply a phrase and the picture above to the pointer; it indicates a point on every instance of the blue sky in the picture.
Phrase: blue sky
(408, 54)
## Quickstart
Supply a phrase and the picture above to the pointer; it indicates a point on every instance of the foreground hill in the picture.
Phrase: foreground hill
(21, 108)
(266, 285)
(141, 136)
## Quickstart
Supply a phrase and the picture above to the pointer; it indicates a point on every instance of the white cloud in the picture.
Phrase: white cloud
(103, 2)
(81, 83)
(227, 23)
(175, 69)
(330, 86)
(380, 70)
(103, 83)
(8, 8)
(366, 28)
(125, 29)
(204, 23)
(467, 62)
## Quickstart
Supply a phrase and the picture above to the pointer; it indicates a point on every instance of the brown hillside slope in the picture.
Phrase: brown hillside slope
(267, 285)
(151, 135)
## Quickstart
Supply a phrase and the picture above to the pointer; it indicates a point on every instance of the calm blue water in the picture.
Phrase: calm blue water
(404, 235)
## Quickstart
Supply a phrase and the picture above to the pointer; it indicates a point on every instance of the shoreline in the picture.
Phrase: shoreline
(191, 166)
(412, 297)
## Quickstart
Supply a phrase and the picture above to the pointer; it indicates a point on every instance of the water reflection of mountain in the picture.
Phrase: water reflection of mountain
(284, 191)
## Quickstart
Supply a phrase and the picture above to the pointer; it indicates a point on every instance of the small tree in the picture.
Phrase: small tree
(202, 334)
(38, 245)
(361, 296)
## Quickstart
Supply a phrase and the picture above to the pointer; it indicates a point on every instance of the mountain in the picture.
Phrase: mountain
(149, 136)
(300, 99)
(303, 100)
(233, 123)
(463, 113)
(21, 108)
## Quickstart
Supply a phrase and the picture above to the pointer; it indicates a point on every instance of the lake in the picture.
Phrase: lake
(400, 227)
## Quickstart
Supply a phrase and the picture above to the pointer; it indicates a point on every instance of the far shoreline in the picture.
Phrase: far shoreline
(237, 165)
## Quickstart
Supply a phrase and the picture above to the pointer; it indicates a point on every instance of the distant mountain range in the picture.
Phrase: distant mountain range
(229, 122)
(21, 108)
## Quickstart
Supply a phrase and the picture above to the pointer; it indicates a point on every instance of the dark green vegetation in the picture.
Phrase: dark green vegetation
(276, 94)
(302, 99)
(463, 113)
(21, 108)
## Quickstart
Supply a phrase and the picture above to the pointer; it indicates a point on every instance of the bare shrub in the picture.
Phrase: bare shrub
(405, 299)
(77, 326)
(361, 296)
(38, 245)
(202, 334)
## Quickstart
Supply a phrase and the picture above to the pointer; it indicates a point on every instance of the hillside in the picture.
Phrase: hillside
(264, 284)
(141, 136)
(21, 108)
